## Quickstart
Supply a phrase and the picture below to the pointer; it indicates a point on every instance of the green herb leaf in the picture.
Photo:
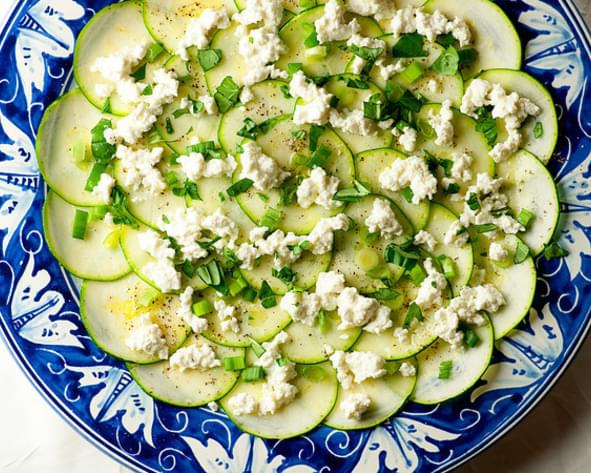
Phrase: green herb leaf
(271, 218)
(319, 157)
(447, 63)
(354, 194)
(471, 339)
(538, 130)
(487, 125)
(354, 82)
(119, 209)
(410, 45)
(227, 95)
(139, 73)
(473, 202)
(209, 58)
(525, 217)
(486, 228)
(413, 313)
(102, 151)
(521, 252)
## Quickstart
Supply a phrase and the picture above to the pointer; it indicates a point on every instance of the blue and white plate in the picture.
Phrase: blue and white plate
(41, 325)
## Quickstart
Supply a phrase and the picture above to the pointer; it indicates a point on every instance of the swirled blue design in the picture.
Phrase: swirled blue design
(39, 307)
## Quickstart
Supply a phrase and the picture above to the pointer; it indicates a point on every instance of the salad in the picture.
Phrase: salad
(301, 212)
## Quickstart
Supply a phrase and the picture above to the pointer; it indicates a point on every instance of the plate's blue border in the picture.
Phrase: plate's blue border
(576, 20)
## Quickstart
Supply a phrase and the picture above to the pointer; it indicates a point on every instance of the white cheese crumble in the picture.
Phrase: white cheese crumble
(220, 225)
(423, 237)
(401, 335)
(197, 324)
(497, 252)
(315, 108)
(194, 357)
(227, 315)
(431, 25)
(213, 406)
(322, 237)
(318, 188)
(456, 235)
(442, 124)
(163, 274)
(301, 306)
(407, 139)
(260, 168)
(411, 172)
(379, 9)
(407, 370)
(199, 30)
(356, 310)
(147, 337)
(356, 367)
(355, 405)
(138, 172)
(387, 69)
(431, 290)
(260, 48)
(196, 167)
(184, 225)
(103, 188)
(352, 122)
(243, 404)
(156, 246)
(382, 220)
(332, 25)
(266, 12)
(460, 170)
(328, 287)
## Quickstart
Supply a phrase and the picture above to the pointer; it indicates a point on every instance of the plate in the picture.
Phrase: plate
(39, 310)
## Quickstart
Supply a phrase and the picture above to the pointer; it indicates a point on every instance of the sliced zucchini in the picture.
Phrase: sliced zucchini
(317, 393)
(420, 335)
(439, 222)
(67, 121)
(529, 185)
(94, 257)
(116, 26)
(167, 20)
(494, 36)
(388, 395)
(232, 64)
(467, 367)
(371, 164)
(268, 102)
(307, 343)
(111, 310)
(297, 29)
(358, 254)
(189, 388)
(529, 87)
(352, 99)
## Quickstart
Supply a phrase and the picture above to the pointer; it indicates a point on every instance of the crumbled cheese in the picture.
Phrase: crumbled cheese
(196, 167)
(163, 274)
(185, 226)
(352, 122)
(356, 367)
(273, 350)
(460, 170)
(442, 124)
(497, 252)
(332, 25)
(431, 25)
(138, 172)
(103, 188)
(407, 369)
(246, 95)
(357, 65)
(243, 404)
(379, 9)
(431, 290)
(194, 357)
(318, 188)
(322, 236)
(456, 235)
(247, 254)
(197, 324)
(220, 225)
(266, 12)
(213, 406)
(260, 168)
(226, 314)
(401, 335)
(316, 107)
(356, 310)
(199, 30)
(156, 246)
(301, 306)
(355, 405)
(366, 42)
(277, 244)
(387, 69)
(147, 337)
(407, 139)
(425, 238)
(259, 49)
(382, 220)
(411, 172)
(502, 151)
(328, 287)
(475, 97)
(209, 104)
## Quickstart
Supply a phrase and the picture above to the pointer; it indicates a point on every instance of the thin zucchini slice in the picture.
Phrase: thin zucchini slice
(189, 388)
(316, 398)
(90, 258)
(468, 366)
(116, 26)
(111, 310)
(371, 164)
(529, 87)
(67, 121)
(388, 395)
(494, 36)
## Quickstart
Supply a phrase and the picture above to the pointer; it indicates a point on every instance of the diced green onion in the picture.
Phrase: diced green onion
(111, 241)
(294, 67)
(525, 217)
(282, 361)
(452, 188)
(249, 294)
(209, 58)
(413, 313)
(171, 178)
(237, 286)
(267, 296)
(407, 194)
(80, 224)
(538, 130)
(486, 228)
(425, 129)
(253, 373)
(98, 213)
(417, 274)
(153, 52)
(385, 294)
(445, 368)
(299, 134)
(411, 73)
(234, 363)
(139, 73)
(448, 266)
(271, 218)
(521, 252)
(107, 106)
(471, 339)
(239, 187)
(148, 296)
(95, 176)
(323, 322)
(201, 308)
(257, 348)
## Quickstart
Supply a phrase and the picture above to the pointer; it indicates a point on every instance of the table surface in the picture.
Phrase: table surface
(554, 438)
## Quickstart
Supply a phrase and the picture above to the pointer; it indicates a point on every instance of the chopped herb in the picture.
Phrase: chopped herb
(171, 178)
(487, 125)
(188, 269)
(285, 91)
(95, 176)
(467, 56)
(375, 108)
(538, 130)
(102, 151)
(257, 348)
(471, 339)
(448, 266)
(452, 188)
(119, 209)
(416, 274)
(354, 82)
(80, 224)
(385, 294)
(405, 258)
(473, 202)
(252, 374)
(413, 313)
(153, 52)
(447, 63)
(323, 322)
(486, 228)
(446, 40)
(178, 113)
(445, 368)
(107, 106)
(267, 296)
(294, 67)
(249, 294)
(227, 95)
(525, 217)
(407, 194)
(299, 134)
(410, 45)
(271, 218)
(354, 194)
(264, 197)
(148, 90)
(209, 58)
(410, 102)
(188, 190)
(316, 132)
(311, 40)
(234, 363)
(521, 252)
(139, 73)
(369, 54)
(285, 274)
(288, 191)
(319, 157)
(169, 127)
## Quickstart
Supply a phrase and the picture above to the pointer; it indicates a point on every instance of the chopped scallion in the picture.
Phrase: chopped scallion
(253, 373)
(201, 308)
(445, 368)
(80, 224)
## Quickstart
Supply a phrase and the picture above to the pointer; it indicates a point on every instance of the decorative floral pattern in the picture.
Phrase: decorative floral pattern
(39, 313)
